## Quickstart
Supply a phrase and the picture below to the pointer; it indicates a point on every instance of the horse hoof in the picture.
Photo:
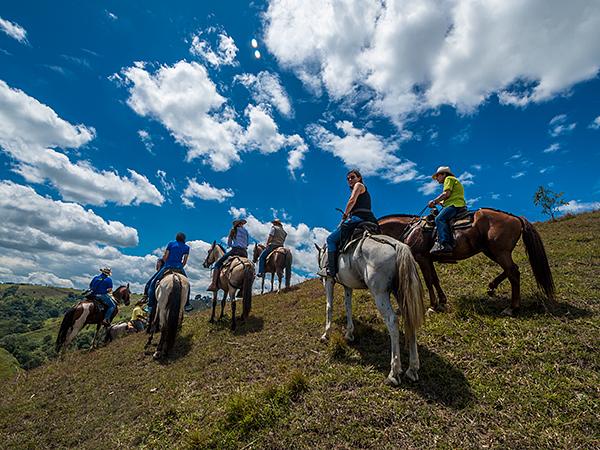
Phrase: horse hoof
(412, 374)
(156, 355)
(392, 381)
(349, 337)
(441, 308)
(324, 338)
(508, 312)
(430, 311)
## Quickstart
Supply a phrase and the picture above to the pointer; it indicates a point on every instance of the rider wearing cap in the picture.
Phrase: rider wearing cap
(275, 240)
(237, 240)
(358, 209)
(453, 201)
(101, 287)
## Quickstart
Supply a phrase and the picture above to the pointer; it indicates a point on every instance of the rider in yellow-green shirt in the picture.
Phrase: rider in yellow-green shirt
(453, 201)
(138, 316)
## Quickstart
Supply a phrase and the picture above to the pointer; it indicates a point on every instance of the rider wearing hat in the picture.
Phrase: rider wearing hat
(101, 287)
(237, 240)
(452, 200)
(358, 209)
(275, 240)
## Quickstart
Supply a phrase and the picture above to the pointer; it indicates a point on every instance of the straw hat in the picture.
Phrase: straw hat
(106, 271)
(276, 222)
(237, 222)
(443, 169)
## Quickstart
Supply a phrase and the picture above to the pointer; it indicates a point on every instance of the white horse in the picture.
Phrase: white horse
(382, 265)
(171, 296)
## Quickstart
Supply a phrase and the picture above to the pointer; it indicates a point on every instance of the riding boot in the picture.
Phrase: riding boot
(215, 281)
(332, 264)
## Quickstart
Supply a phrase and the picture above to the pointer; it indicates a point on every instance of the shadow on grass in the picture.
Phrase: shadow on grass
(183, 345)
(439, 381)
(252, 325)
(531, 306)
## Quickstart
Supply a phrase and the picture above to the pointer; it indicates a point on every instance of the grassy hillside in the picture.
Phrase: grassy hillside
(485, 380)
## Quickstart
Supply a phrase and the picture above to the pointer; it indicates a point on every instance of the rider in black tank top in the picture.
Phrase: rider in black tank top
(362, 207)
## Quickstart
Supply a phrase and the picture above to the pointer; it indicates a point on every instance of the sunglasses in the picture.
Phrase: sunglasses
(351, 177)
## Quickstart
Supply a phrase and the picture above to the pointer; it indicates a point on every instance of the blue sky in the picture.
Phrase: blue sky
(123, 123)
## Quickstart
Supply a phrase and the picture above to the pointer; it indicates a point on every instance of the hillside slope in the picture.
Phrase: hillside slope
(485, 380)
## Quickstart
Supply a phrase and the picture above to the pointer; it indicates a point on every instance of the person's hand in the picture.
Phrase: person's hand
(344, 216)
(431, 203)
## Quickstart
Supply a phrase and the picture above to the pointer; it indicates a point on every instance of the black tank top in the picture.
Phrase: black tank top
(362, 207)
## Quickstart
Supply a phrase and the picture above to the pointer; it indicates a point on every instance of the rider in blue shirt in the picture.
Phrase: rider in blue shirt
(101, 287)
(175, 257)
(238, 241)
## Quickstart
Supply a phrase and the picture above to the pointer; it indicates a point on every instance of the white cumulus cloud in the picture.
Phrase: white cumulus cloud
(595, 125)
(559, 125)
(266, 87)
(204, 191)
(223, 55)
(29, 131)
(370, 153)
(575, 206)
(419, 54)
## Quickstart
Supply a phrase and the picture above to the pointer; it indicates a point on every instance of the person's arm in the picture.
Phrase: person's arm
(165, 256)
(185, 258)
(443, 196)
(270, 237)
(358, 189)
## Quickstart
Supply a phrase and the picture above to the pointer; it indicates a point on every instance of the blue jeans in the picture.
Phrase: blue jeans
(262, 259)
(334, 238)
(107, 301)
(154, 279)
(441, 223)
(235, 251)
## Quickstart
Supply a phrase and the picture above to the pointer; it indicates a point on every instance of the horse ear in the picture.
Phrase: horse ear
(318, 248)
(127, 286)
(214, 242)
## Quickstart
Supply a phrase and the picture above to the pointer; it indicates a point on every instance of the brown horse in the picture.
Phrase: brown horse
(237, 275)
(84, 313)
(493, 232)
(279, 260)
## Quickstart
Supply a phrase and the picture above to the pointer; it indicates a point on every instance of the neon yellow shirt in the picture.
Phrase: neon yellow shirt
(457, 192)
(138, 313)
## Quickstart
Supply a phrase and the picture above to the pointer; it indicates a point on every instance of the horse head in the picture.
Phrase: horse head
(321, 255)
(214, 253)
(258, 249)
(123, 294)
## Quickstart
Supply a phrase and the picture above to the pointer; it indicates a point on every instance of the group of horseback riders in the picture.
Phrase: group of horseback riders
(176, 257)
(358, 211)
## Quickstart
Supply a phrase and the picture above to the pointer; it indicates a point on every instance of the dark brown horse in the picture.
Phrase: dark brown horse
(84, 313)
(278, 261)
(495, 233)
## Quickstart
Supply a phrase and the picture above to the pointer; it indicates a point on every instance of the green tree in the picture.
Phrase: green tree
(548, 200)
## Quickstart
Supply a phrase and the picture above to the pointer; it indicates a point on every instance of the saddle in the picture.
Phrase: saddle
(277, 250)
(353, 232)
(464, 219)
(169, 271)
(89, 296)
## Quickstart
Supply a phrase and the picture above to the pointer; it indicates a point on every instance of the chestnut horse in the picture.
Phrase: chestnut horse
(279, 260)
(493, 232)
(84, 313)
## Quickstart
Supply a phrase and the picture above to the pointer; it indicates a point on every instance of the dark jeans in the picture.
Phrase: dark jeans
(138, 325)
(441, 223)
(262, 259)
(152, 288)
(235, 251)
(107, 301)
(333, 240)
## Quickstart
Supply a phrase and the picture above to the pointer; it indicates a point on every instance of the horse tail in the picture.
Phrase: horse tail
(288, 268)
(409, 290)
(65, 326)
(174, 305)
(247, 289)
(534, 247)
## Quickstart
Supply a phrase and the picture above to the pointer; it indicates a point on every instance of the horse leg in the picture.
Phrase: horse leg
(413, 360)
(279, 277)
(223, 300)
(427, 270)
(262, 285)
(382, 300)
(272, 280)
(233, 305)
(214, 305)
(499, 279)
(328, 283)
(95, 336)
(349, 323)
(514, 276)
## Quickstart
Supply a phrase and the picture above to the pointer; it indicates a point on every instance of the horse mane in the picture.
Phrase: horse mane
(500, 211)
(221, 247)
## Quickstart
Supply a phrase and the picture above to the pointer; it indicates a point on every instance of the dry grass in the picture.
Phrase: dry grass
(485, 380)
